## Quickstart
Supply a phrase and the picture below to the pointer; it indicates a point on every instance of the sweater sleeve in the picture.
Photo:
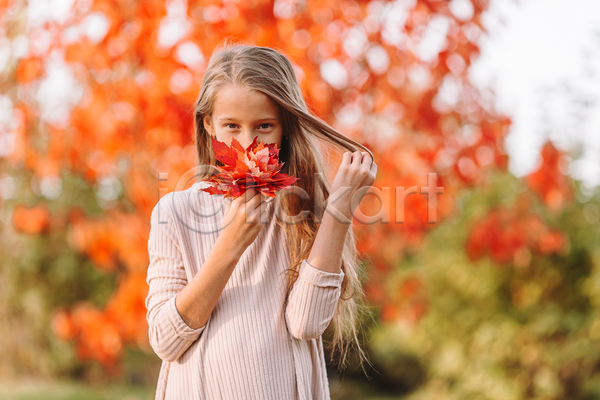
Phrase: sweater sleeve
(169, 335)
(312, 301)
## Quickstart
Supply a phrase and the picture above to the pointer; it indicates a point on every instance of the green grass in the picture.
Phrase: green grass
(351, 390)
(36, 390)
(71, 391)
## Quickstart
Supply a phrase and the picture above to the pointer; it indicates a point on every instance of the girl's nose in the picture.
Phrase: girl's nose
(246, 138)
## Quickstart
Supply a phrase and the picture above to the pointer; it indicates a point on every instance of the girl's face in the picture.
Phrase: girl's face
(243, 114)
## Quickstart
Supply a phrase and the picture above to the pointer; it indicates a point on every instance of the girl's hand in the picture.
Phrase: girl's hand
(241, 223)
(356, 171)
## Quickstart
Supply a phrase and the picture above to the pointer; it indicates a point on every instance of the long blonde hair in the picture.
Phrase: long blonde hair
(270, 72)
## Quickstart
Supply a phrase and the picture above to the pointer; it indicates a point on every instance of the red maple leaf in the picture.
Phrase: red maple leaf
(255, 167)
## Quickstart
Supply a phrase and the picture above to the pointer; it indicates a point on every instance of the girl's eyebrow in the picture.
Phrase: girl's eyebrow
(258, 120)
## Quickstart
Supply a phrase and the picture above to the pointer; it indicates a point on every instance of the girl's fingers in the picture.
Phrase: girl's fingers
(249, 194)
(346, 159)
(266, 201)
(373, 168)
(256, 207)
(366, 161)
(356, 159)
(256, 201)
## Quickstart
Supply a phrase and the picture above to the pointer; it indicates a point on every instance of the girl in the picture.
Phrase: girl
(236, 306)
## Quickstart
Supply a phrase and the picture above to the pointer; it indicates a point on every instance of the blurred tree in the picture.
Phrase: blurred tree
(520, 322)
(138, 67)
(80, 178)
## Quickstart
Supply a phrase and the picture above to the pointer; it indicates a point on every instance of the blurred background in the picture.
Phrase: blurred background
(498, 299)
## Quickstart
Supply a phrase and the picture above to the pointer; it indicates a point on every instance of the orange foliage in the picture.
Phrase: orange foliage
(97, 335)
(511, 235)
(63, 326)
(127, 306)
(100, 335)
(135, 121)
(548, 181)
(118, 239)
(28, 70)
(409, 304)
(33, 221)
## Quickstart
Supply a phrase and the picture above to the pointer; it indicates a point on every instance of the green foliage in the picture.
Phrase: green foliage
(503, 331)
(40, 274)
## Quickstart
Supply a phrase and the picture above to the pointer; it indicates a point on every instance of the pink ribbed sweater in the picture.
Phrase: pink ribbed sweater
(256, 344)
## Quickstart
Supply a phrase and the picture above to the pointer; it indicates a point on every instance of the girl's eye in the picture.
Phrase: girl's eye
(261, 125)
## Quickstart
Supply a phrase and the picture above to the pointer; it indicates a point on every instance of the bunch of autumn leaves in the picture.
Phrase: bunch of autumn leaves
(255, 167)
